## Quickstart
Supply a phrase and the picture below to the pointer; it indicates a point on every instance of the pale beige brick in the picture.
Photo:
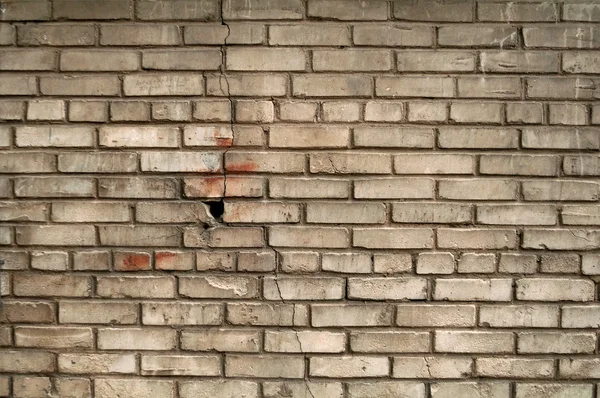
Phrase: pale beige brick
(394, 188)
(136, 287)
(308, 34)
(414, 86)
(351, 60)
(298, 111)
(358, 263)
(221, 340)
(305, 341)
(27, 312)
(88, 111)
(97, 363)
(56, 35)
(267, 314)
(129, 111)
(218, 388)
(561, 37)
(514, 263)
(308, 188)
(263, 366)
(138, 187)
(137, 339)
(554, 289)
(560, 138)
(340, 111)
(181, 313)
(473, 289)
(308, 137)
(428, 213)
(474, 342)
(289, 288)
(308, 237)
(427, 111)
(431, 10)
(387, 288)
(341, 10)
(254, 111)
(52, 337)
(92, 312)
(212, 111)
(538, 165)
(428, 367)
(177, 9)
(489, 87)
(433, 315)
(139, 35)
(433, 164)
(393, 238)
(575, 368)
(302, 389)
(515, 367)
(386, 137)
(559, 263)
(521, 316)
(385, 342)
(477, 36)
(435, 61)
(172, 111)
(233, 32)
(326, 315)
(263, 9)
(82, 85)
(516, 214)
(265, 59)
(569, 114)
(299, 262)
(27, 362)
(519, 62)
(524, 113)
(265, 162)
(180, 365)
(247, 85)
(561, 239)
(163, 84)
(325, 85)
(27, 60)
(392, 35)
(556, 342)
(472, 389)
(349, 366)
(134, 388)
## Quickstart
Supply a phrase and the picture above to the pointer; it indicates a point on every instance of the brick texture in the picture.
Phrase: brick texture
(299, 198)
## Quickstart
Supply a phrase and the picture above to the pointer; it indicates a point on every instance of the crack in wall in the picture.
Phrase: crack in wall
(223, 76)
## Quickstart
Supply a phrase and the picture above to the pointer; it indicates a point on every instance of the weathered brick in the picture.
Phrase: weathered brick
(139, 35)
(79, 60)
(136, 339)
(349, 366)
(392, 35)
(387, 288)
(561, 239)
(341, 10)
(309, 35)
(474, 342)
(52, 337)
(267, 314)
(97, 363)
(340, 111)
(394, 188)
(27, 60)
(561, 37)
(308, 188)
(435, 61)
(178, 9)
(29, 10)
(431, 10)
(386, 137)
(433, 164)
(180, 365)
(414, 86)
(136, 388)
(51, 285)
(181, 162)
(581, 165)
(305, 341)
(515, 367)
(346, 213)
(80, 85)
(265, 59)
(299, 389)
(477, 36)
(263, 9)
(539, 165)
(27, 312)
(558, 87)
(88, 111)
(473, 289)
(553, 342)
(554, 289)
(326, 315)
(264, 162)
(139, 286)
(433, 315)
(90, 312)
(345, 163)
(324, 85)
(27, 362)
(163, 84)
(428, 213)
(427, 367)
(56, 35)
(233, 32)
(518, 12)
(524, 113)
(221, 340)
(308, 137)
(247, 85)
(519, 316)
(489, 87)
(18, 85)
(351, 60)
(264, 366)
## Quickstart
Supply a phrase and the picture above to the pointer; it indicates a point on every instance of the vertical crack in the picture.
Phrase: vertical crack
(223, 77)
(276, 280)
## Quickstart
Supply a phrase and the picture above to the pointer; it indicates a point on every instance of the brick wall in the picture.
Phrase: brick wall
(299, 199)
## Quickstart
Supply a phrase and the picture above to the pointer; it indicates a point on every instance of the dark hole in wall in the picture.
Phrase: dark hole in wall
(216, 209)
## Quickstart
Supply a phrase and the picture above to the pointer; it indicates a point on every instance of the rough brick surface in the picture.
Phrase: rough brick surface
(299, 198)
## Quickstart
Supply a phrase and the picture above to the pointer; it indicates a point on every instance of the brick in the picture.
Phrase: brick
(553, 342)
(393, 238)
(50, 337)
(351, 60)
(87, 85)
(211, 136)
(519, 12)
(97, 312)
(561, 37)
(305, 341)
(221, 340)
(324, 85)
(169, 212)
(15, 211)
(394, 188)
(232, 287)
(27, 362)
(559, 263)
(515, 367)
(12, 110)
(88, 111)
(518, 263)
(105, 388)
(560, 190)
(433, 315)
(263, 9)
(561, 239)
(524, 113)
(218, 388)
(371, 213)
(138, 187)
(431, 213)
(344, 163)
(477, 36)
(308, 136)
(50, 261)
(427, 367)
(97, 363)
(51, 285)
(56, 35)
(580, 12)
(340, 10)
(531, 390)
(174, 260)
(435, 61)
(254, 111)
(474, 342)
(18, 85)
(266, 314)
(234, 32)
(539, 165)
(57, 235)
(181, 162)
(92, 260)
(517, 62)
(516, 214)
(172, 111)
(32, 10)
(368, 342)
(298, 289)
(163, 84)
(212, 111)
(387, 288)
(139, 35)
(519, 316)
(414, 86)
(580, 215)
(265, 59)
(27, 312)
(473, 289)
(298, 389)
(224, 237)
(71, 9)
(466, 112)
(477, 263)
(54, 187)
(316, 237)
(433, 164)
(349, 366)
(309, 35)
(265, 212)
(581, 165)
(489, 87)
(435, 263)
(134, 287)
(560, 138)
(471, 138)
(431, 10)
(90, 162)
(129, 111)
(179, 9)
(90, 212)
(556, 87)
(307, 188)
(180, 365)
(554, 289)
(340, 112)
(51, 136)
(247, 85)
(72, 60)
(7, 34)
(264, 366)
(215, 261)
(384, 111)
(568, 114)
(346, 263)
(392, 35)
(14, 162)
(574, 368)
(387, 137)
(299, 262)
(136, 339)
(27, 60)
(324, 315)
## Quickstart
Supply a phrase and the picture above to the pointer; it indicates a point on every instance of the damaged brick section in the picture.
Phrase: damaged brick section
(299, 198)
